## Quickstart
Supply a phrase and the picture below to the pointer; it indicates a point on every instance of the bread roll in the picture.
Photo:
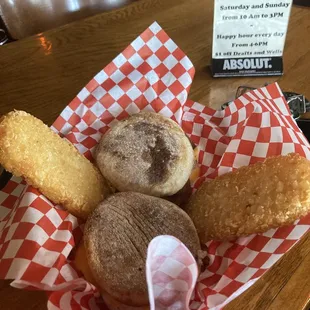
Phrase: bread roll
(146, 153)
(117, 235)
(80, 262)
(252, 199)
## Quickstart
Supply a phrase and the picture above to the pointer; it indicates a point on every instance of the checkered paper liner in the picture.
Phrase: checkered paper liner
(151, 74)
(171, 272)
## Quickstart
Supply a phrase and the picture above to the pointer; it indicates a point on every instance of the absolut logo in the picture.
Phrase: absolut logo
(247, 64)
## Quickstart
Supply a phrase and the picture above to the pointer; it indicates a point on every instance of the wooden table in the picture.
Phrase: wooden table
(42, 74)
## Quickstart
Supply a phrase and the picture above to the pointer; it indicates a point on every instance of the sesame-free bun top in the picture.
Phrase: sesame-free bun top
(117, 235)
(146, 153)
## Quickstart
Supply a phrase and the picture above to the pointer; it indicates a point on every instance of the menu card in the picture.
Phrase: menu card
(249, 37)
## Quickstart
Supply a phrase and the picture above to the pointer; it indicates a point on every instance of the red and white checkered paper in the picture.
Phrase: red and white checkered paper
(151, 74)
(171, 272)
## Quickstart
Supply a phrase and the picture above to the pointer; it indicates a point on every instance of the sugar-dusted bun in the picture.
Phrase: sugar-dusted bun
(80, 262)
(117, 235)
(146, 153)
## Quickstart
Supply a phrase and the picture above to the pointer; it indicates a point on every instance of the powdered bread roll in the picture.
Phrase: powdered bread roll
(117, 235)
(80, 262)
(146, 153)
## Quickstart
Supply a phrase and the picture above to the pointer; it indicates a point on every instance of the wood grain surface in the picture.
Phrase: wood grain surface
(42, 74)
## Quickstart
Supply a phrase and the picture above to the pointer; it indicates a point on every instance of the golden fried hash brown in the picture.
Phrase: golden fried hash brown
(30, 149)
(252, 199)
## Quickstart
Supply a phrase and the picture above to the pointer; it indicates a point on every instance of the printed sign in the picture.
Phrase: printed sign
(249, 37)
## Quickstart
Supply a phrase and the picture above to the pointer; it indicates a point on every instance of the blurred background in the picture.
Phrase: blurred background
(23, 18)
